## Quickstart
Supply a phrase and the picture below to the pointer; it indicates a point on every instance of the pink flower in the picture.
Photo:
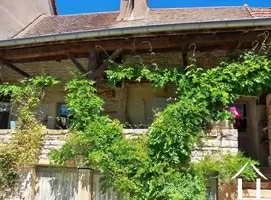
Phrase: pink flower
(234, 112)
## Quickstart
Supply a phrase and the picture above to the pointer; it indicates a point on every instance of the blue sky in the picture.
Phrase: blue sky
(88, 6)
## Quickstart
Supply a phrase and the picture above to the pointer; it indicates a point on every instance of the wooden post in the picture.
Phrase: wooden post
(240, 189)
(92, 62)
(258, 188)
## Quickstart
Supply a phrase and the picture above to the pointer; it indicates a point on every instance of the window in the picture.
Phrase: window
(211, 189)
(4, 115)
(241, 124)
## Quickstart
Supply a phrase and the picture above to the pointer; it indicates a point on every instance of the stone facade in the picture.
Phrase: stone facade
(221, 140)
(131, 103)
(225, 140)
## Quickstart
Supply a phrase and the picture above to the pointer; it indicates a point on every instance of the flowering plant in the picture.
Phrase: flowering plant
(236, 115)
(234, 112)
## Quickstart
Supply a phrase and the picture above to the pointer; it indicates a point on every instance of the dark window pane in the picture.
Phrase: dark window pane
(4, 116)
(244, 110)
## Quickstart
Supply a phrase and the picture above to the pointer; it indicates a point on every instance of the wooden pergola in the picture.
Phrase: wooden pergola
(204, 40)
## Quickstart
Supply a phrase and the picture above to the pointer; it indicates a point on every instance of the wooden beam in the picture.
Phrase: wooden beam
(92, 62)
(113, 56)
(76, 63)
(14, 68)
(201, 47)
(185, 61)
(166, 42)
(110, 45)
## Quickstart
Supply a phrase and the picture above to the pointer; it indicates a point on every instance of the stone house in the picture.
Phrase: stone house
(60, 44)
(15, 18)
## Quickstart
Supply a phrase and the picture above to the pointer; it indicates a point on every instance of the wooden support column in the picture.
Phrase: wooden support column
(185, 61)
(14, 68)
(92, 63)
(76, 63)
(184, 49)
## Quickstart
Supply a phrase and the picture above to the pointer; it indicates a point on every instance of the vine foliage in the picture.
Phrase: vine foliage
(24, 146)
(157, 165)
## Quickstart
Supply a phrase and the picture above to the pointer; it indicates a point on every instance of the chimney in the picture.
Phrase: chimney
(133, 10)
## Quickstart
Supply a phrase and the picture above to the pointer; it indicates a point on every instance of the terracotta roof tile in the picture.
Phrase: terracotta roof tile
(258, 12)
(261, 12)
(84, 22)
(169, 16)
(72, 23)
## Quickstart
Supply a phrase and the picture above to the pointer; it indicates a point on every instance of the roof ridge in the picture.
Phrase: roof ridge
(80, 14)
(246, 6)
(28, 26)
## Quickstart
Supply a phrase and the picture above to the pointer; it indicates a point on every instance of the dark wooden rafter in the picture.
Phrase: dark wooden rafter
(76, 63)
(112, 57)
(14, 68)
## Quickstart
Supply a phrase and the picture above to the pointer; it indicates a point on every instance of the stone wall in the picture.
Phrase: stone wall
(224, 140)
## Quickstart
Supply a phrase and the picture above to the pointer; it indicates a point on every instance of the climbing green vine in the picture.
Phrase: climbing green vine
(157, 165)
(25, 144)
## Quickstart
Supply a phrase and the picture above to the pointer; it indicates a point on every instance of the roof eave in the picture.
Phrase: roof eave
(240, 23)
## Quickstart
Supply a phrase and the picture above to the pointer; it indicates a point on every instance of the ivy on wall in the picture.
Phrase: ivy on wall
(157, 164)
(24, 146)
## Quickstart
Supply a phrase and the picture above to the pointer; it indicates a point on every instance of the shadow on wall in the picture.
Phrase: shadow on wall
(227, 191)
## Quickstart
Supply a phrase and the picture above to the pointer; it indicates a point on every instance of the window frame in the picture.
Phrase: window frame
(248, 128)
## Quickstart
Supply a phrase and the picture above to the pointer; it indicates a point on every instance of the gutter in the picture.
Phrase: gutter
(243, 23)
